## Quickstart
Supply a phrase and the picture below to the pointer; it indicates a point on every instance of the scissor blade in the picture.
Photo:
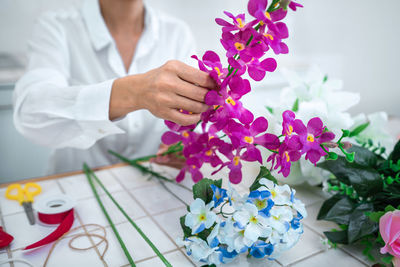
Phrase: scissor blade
(29, 212)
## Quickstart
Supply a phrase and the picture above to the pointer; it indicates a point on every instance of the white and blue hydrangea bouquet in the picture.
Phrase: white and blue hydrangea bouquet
(221, 224)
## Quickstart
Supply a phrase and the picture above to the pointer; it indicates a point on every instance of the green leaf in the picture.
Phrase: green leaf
(187, 232)
(264, 173)
(364, 156)
(270, 109)
(395, 155)
(360, 225)
(387, 259)
(325, 78)
(389, 208)
(337, 237)
(375, 216)
(295, 107)
(336, 209)
(203, 189)
(359, 129)
(366, 181)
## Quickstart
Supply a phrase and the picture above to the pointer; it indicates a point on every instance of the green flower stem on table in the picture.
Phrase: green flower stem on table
(90, 173)
(135, 163)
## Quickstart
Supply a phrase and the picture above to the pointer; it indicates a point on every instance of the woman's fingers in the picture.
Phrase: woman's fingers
(183, 119)
(195, 76)
(181, 102)
(191, 91)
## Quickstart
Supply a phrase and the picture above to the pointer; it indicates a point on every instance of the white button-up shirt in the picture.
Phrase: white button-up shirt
(63, 99)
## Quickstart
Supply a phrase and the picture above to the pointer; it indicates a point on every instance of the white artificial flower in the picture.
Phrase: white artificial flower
(280, 218)
(376, 130)
(253, 224)
(234, 238)
(197, 248)
(279, 194)
(200, 217)
(298, 205)
(234, 198)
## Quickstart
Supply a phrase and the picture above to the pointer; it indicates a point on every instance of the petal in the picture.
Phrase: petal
(222, 22)
(315, 126)
(282, 29)
(252, 154)
(246, 116)
(269, 64)
(181, 175)
(299, 127)
(278, 14)
(235, 175)
(327, 136)
(259, 125)
(170, 138)
(211, 56)
(213, 98)
(252, 232)
(255, 73)
(211, 216)
(313, 156)
(268, 140)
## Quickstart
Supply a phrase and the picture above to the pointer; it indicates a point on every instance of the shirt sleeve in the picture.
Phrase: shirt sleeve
(46, 109)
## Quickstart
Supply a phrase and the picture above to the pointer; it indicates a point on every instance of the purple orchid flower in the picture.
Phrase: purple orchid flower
(250, 137)
(238, 23)
(211, 59)
(192, 166)
(288, 152)
(257, 69)
(311, 137)
(234, 164)
(237, 44)
(287, 124)
(226, 104)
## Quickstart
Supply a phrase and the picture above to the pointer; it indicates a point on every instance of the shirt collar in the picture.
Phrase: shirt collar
(101, 37)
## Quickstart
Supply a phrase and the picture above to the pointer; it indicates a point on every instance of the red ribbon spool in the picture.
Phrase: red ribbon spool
(54, 210)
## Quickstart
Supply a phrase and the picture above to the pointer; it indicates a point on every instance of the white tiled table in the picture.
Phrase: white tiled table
(157, 212)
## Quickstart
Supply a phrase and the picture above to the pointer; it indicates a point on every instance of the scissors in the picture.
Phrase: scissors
(24, 195)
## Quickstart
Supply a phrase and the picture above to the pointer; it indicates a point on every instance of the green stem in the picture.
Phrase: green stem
(134, 163)
(88, 172)
(142, 234)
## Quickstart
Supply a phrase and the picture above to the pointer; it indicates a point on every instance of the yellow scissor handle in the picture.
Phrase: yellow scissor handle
(16, 192)
(18, 195)
(31, 190)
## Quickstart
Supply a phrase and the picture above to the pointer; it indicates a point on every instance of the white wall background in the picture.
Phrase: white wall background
(357, 41)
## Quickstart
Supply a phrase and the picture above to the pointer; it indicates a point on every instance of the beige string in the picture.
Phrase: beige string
(79, 235)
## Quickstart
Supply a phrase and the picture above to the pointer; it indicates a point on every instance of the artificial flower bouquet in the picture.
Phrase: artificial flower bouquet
(365, 201)
(222, 224)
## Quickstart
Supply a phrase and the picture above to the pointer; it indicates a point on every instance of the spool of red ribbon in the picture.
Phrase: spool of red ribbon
(54, 210)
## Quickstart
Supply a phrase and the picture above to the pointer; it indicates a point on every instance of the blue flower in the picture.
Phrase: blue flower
(260, 249)
(226, 256)
(295, 223)
(262, 200)
(219, 195)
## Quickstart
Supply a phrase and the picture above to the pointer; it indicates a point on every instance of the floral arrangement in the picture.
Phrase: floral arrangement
(365, 201)
(263, 223)
(314, 94)
(229, 133)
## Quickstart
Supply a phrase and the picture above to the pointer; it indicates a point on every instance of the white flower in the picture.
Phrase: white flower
(253, 224)
(280, 218)
(234, 238)
(234, 198)
(279, 194)
(200, 217)
(298, 205)
(376, 130)
(197, 248)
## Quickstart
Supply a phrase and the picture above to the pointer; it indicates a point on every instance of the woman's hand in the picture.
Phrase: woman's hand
(164, 92)
(175, 160)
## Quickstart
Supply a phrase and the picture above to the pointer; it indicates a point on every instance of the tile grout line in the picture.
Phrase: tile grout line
(84, 228)
(348, 253)
(151, 257)
(148, 214)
